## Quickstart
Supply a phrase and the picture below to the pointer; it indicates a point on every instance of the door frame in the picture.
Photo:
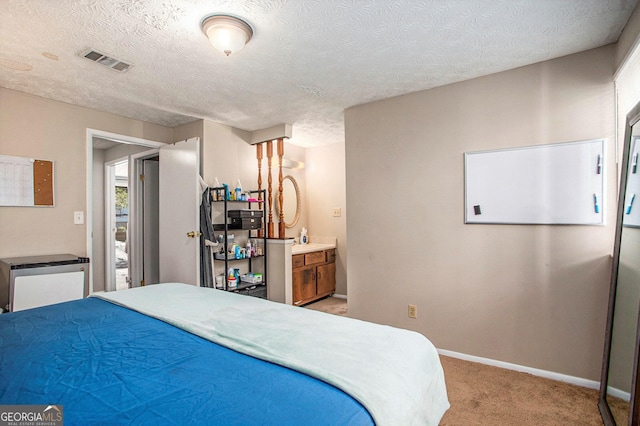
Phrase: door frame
(124, 139)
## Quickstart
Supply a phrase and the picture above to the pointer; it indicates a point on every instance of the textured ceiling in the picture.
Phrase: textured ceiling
(307, 62)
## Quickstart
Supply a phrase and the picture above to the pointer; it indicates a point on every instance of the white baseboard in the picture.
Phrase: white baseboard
(578, 381)
(340, 296)
(625, 396)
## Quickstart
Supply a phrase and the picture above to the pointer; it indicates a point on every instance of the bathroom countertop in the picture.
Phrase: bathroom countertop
(307, 248)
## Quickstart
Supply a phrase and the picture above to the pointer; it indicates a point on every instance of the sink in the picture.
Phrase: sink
(306, 248)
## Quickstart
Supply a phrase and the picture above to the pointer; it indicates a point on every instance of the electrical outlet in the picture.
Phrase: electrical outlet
(337, 212)
(78, 218)
(413, 311)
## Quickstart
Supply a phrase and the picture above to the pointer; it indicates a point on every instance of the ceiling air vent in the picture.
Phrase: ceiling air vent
(102, 59)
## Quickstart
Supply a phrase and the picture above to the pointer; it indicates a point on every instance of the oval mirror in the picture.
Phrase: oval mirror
(290, 201)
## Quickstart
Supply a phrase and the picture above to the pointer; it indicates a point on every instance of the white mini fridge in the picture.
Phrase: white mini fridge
(33, 281)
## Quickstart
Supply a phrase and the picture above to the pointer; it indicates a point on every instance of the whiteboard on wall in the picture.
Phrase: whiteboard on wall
(25, 181)
(544, 184)
(631, 215)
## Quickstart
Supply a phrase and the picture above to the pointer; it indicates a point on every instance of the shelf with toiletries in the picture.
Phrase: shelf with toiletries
(239, 228)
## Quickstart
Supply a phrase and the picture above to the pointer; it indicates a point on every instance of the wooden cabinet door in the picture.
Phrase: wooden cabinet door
(304, 284)
(326, 279)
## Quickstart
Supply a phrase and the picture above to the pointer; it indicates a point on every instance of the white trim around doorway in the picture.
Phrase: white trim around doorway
(90, 135)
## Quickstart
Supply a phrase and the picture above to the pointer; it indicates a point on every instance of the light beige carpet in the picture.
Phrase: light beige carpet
(483, 395)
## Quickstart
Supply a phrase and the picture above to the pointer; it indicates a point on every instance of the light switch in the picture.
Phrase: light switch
(78, 218)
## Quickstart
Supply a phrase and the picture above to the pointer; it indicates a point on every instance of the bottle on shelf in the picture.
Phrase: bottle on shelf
(238, 190)
(231, 279)
(218, 195)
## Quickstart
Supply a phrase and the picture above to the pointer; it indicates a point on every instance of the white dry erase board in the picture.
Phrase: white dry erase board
(545, 184)
(25, 181)
(632, 192)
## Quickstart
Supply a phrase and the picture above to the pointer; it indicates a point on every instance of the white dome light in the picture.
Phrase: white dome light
(227, 33)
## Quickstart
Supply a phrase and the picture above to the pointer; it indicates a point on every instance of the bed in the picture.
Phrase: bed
(179, 354)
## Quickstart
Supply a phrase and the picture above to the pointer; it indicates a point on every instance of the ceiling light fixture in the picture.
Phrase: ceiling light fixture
(227, 33)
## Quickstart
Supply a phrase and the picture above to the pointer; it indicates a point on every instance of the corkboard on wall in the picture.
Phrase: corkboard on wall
(25, 182)
(43, 183)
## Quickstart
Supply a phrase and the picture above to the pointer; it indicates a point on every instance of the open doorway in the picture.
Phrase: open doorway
(110, 207)
(179, 195)
(120, 189)
(131, 212)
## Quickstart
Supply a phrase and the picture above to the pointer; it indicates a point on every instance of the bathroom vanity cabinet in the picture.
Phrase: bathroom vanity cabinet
(313, 275)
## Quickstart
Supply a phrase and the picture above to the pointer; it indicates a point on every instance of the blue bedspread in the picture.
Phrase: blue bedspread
(109, 365)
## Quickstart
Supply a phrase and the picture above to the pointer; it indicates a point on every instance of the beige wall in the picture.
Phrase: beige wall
(31, 126)
(529, 295)
(325, 173)
(189, 130)
(227, 156)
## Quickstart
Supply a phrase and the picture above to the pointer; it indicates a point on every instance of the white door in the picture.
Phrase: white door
(179, 212)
